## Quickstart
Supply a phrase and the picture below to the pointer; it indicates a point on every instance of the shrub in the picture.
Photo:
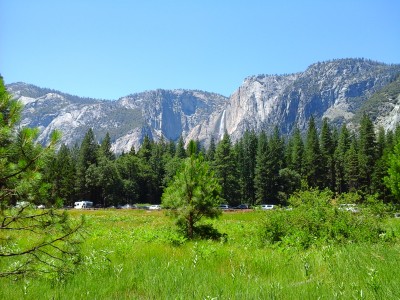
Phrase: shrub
(316, 220)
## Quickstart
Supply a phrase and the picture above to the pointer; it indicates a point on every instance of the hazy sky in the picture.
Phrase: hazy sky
(108, 49)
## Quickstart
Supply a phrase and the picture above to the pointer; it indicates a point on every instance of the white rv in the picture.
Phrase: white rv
(83, 204)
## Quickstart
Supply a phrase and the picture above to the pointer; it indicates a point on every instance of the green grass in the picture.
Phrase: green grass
(135, 254)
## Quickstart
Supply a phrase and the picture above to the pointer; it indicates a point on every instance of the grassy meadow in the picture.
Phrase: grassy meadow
(137, 254)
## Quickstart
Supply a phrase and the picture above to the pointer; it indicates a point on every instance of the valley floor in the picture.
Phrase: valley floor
(136, 254)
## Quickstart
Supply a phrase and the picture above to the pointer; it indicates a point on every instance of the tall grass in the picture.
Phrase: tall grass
(137, 255)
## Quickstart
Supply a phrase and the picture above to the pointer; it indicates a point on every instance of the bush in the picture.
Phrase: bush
(316, 220)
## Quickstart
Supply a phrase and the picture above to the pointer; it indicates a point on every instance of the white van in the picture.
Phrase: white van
(83, 204)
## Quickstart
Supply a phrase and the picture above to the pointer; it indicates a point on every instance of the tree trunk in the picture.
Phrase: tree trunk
(190, 226)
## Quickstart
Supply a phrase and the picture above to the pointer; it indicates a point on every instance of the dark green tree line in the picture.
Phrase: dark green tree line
(257, 168)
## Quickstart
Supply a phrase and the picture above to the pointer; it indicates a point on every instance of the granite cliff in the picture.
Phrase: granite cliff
(338, 90)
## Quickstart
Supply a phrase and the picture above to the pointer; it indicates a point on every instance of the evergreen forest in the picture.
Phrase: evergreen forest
(258, 168)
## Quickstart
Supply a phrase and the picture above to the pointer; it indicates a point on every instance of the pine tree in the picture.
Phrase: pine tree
(171, 148)
(157, 172)
(105, 147)
(194, 193)
(312, 156)
(297, 153)
(88, 149)
(211, 150)
(389, 141)
(67, 172)
(261, 172)
(194, 147)
(327, 156)
(392, 180)
(180, 149)
(381, 167)
(146, 148)
(128, 171)
(352, 167)
(32, 242)
(87, 157)
(367, 154)
(340, 157)
(275, 162)
(226, 169)
(247, 152)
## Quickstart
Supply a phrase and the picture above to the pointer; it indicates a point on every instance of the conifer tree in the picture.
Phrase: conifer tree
(211, 150)
(32, 242)
(352, 167)
(194, 193)
(261, 172)
(180, 149)
(392, 180)
(146, 148)
(297, 153)
(327, 156)
(194, 147)
(381, 167)
(87, 157)
(367, 153)
(88, 149)
(275, 162)
(128, 168)
(157, 171)
(171, 148)
(105, 147)
(247, 152)
(67, 172)
(225, 165)
(312, 156)
(343, 146)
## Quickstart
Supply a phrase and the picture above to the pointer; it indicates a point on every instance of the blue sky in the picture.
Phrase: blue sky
(109, 49)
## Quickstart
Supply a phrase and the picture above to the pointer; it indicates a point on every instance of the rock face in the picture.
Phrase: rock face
(160, 113)
(173, 113)
(337, 90)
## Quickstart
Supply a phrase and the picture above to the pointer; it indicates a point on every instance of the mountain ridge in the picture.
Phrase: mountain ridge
(334, 89)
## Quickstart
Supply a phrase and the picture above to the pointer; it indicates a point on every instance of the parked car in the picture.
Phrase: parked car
(349, 207)
(128, 206)
(224, 206)
(267, 206)
(242, 206)
(155, 207)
